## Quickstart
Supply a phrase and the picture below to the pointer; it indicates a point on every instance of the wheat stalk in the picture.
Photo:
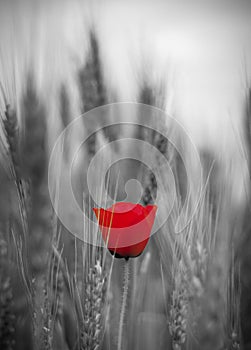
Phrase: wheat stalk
(124, 302)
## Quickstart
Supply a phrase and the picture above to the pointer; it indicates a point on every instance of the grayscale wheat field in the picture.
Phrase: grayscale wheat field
(189, 60)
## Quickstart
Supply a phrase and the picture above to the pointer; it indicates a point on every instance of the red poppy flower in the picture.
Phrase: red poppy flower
(126, 227)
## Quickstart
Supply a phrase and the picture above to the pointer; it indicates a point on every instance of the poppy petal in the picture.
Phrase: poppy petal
(126, 227)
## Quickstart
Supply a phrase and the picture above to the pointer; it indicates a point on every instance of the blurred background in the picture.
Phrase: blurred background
(61, 59)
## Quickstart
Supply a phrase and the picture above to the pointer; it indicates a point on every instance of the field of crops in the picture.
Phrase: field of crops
(86, 123)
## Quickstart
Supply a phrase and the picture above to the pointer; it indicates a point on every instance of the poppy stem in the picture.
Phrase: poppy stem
(124, 302)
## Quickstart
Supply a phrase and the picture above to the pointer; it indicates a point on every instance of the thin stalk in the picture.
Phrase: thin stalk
(124, 302)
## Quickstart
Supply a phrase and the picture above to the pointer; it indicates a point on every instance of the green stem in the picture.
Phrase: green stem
(124, 301)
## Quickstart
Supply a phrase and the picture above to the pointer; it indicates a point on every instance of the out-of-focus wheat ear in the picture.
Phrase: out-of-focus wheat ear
(7, 317)
(211, 320)
(34, 168)
(233, 329)
(65, 116)
(10, 127)
(209, 286)
(34, 155)
(179, 308)
(33, 151)
(57, 278)
(156, 97)
(64, 106)
(92, 88)
(247, 126)
(12, 135)
(11, 130)
(243, 243)
(45, 331)
(95, 289)
(199, 261)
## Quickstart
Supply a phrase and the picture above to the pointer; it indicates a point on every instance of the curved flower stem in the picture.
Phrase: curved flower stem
(124, 301)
